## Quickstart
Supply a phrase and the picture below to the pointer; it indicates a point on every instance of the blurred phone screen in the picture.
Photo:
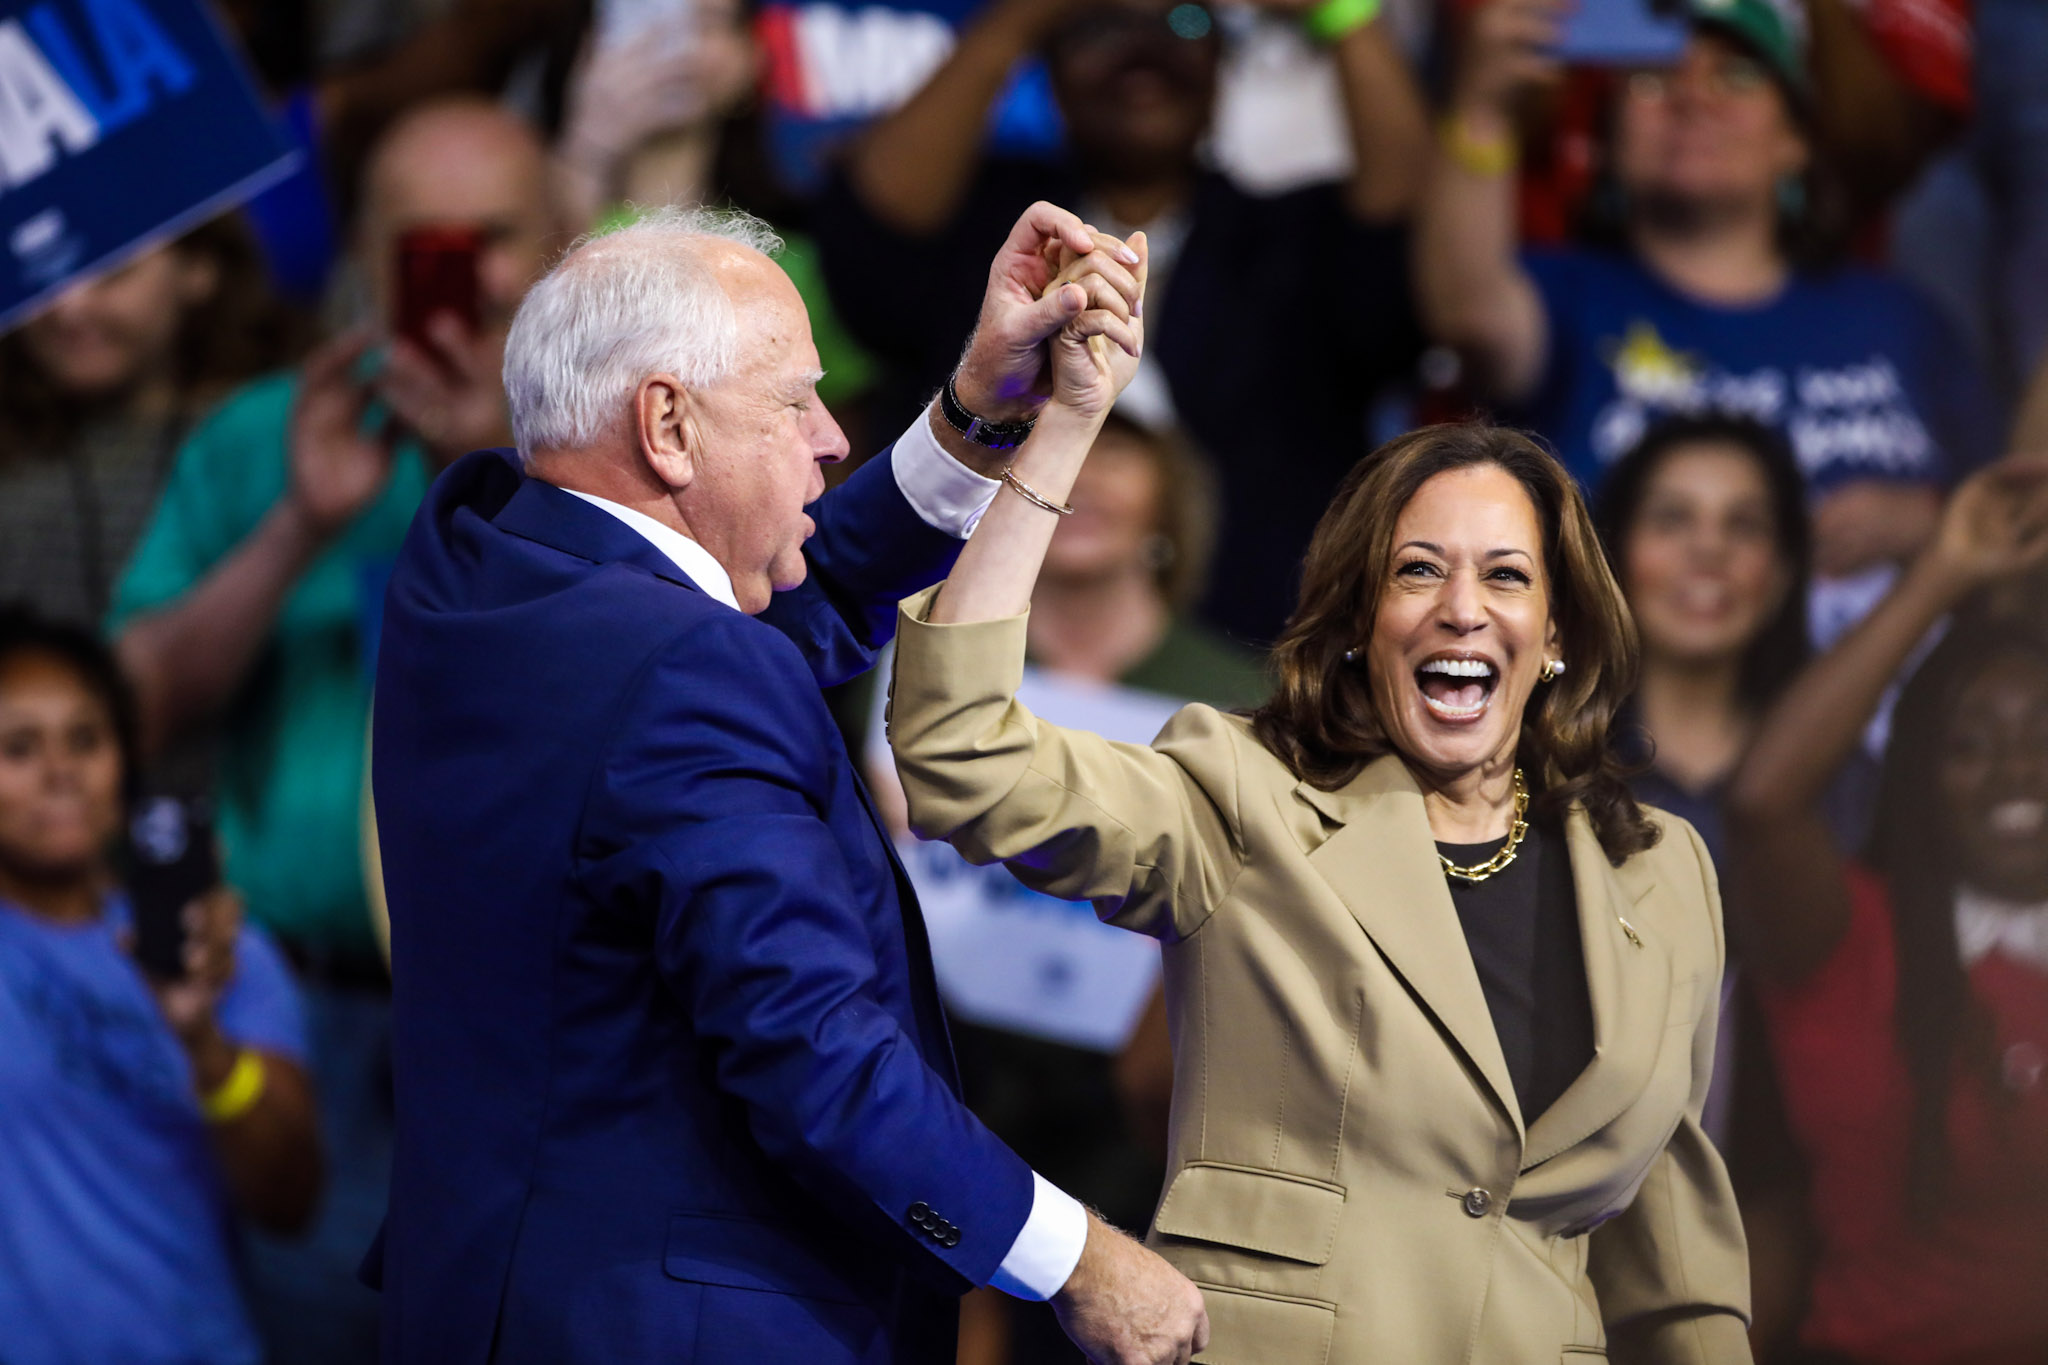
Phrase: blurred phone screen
(171, 863)
(436, 273)
(1624, 33)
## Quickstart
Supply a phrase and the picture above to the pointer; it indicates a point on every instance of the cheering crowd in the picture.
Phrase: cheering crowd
(1778, 304)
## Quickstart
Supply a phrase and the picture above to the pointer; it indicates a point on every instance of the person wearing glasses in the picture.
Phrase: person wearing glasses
(1326, 265)
(1709, 284)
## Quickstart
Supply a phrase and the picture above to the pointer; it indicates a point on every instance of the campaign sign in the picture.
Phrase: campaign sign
(122, 123)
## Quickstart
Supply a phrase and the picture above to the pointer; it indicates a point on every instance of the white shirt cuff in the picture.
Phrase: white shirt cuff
(1049, 1247)
(947, 494)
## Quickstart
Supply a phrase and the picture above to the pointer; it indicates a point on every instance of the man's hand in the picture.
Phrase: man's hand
(450, 394)
(1004, 375)
(336, 470)
(1123, 1305)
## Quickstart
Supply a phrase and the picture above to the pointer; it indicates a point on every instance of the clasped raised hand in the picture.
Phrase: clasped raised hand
(1006, 375)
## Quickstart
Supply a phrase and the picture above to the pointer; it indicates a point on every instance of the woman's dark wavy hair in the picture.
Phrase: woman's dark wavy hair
(1942, 1026)
(25, 631)
(1320, 719)
(1782, 647)
(237, 333)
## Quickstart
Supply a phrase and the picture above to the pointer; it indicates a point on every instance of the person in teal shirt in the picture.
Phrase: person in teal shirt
(249, 613)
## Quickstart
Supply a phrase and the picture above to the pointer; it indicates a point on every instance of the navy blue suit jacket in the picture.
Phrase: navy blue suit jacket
(672, 1078)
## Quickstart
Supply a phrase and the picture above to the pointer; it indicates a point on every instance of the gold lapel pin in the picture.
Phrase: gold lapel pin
(1630, 930)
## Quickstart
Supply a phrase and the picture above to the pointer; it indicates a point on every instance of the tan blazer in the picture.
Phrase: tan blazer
(1350, 1178)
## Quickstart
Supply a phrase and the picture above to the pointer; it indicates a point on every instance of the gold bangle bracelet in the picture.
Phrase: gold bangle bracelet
(1478, 156)
(238, 1094)
(1032, 495)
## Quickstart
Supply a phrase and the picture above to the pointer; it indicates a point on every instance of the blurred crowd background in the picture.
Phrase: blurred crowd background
(1770, 301)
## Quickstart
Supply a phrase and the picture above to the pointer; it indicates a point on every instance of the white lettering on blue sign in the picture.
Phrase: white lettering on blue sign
(52, 101)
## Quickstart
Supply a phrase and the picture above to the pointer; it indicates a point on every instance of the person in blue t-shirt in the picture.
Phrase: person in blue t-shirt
(139, 1117)
(1716, 300)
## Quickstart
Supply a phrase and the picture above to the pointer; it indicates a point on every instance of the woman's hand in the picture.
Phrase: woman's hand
(1096, 354)
(1996, 525)
(1507, 50)
(190, 1003)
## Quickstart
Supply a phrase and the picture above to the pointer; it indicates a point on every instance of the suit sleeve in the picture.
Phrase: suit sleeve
(714, 809)
(1149, 835)
(1673, 1270)
(871, 550)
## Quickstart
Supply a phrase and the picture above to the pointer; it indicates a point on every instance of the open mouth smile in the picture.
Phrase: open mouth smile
(1456, 688)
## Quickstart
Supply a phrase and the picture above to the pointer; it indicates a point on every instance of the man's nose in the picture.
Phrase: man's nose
(828, 442)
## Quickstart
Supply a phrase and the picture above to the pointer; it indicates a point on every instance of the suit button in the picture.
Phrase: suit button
(1477, 1202)
(921, 1213)
(950, 1238)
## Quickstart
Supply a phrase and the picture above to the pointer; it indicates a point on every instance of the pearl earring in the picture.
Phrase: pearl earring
(1551, 669)
(1351, 656)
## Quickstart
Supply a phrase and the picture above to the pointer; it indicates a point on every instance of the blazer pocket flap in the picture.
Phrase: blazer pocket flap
(1249, 1329)
(742, 1253)
(1269, 1211)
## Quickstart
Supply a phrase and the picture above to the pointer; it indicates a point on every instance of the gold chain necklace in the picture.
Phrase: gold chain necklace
(1479, 872)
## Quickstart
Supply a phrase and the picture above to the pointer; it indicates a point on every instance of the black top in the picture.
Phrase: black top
(1522, 927)
(1284, 318)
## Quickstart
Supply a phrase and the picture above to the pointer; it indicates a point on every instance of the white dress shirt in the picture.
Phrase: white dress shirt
(950, 497)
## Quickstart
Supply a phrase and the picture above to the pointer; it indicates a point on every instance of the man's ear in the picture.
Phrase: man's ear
(661, 413)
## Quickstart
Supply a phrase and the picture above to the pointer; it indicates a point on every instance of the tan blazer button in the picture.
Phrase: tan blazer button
(1477, 1202)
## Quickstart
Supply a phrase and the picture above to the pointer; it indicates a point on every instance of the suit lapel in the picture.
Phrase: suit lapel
(1382, 864)
(1629, 981)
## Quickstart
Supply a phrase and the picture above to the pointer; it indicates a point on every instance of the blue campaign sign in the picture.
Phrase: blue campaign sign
(122, 122)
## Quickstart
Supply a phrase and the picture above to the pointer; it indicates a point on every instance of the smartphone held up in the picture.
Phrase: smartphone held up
(172, 861)
(436, 273)
(1624, 33)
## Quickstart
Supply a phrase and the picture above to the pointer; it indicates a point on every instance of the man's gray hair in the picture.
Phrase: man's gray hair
(617, 307)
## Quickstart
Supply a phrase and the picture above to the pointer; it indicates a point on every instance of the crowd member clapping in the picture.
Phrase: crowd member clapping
(1907, 992)
(252, 606)
(138, 1115)
(97, 391)
(1136, 85)
(1717, 298)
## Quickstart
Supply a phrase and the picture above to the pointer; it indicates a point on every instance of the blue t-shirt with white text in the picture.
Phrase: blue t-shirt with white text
(1862, 375)
(116, 1240)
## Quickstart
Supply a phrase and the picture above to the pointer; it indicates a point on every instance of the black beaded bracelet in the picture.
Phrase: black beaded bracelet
(981, 431)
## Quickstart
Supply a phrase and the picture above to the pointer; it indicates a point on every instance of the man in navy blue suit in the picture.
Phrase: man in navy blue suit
(672, 1077)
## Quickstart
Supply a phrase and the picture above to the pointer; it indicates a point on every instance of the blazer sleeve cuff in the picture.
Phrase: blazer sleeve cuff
(947, 494)
(1047, 1248)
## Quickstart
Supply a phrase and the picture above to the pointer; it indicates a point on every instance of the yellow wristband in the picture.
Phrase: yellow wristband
(238, 1094)
(1330, 21)
(1480, 156)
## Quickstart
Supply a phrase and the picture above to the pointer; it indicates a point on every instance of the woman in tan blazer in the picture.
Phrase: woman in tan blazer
(1443, 997)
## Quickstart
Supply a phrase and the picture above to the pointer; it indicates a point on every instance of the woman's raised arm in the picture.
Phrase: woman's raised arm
(1787, 894)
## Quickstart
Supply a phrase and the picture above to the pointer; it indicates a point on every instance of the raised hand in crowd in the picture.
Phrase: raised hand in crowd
(337, 468)
(663, 90)
(448, 392)
(1470, 288)
(1787, 893)
(269, 1151)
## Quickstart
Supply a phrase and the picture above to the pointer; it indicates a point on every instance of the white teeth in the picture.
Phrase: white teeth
(1459, 668)
(2018, 817)
(1449, 712)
